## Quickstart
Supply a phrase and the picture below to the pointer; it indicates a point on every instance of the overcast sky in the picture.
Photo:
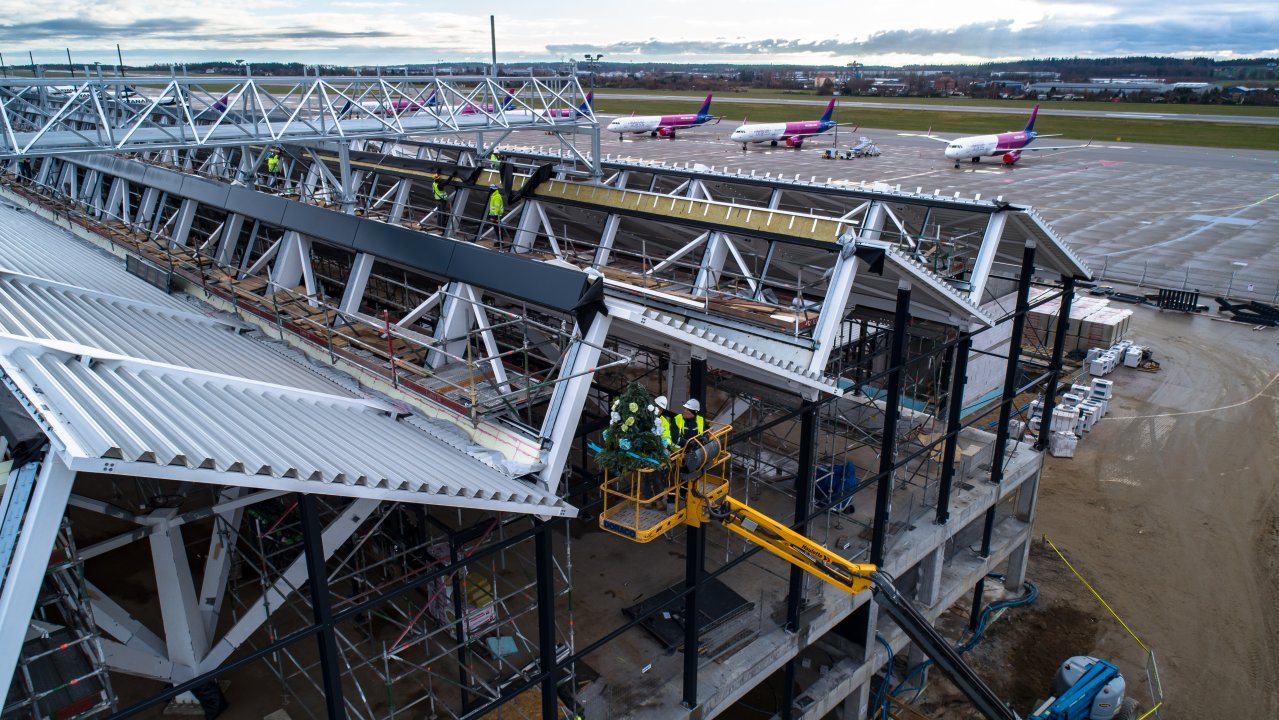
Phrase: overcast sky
(390, 32)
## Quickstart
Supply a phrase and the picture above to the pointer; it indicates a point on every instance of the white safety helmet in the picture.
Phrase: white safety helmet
(693, 405)
(661, 402)
(492, 186)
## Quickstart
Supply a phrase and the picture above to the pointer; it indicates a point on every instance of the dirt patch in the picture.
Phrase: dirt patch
(1019, 657)
(1170, 508)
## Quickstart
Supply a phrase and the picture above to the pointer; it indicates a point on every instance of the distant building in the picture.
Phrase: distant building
(1124, 87)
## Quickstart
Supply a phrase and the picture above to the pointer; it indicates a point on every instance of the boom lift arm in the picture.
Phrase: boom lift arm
(690, 487)
(760, 529)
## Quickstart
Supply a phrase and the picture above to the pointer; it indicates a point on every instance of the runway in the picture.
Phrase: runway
(1048, 109)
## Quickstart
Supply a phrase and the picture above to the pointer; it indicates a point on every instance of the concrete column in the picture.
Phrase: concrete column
(929, 590)
(854, 707)
(1027, 496)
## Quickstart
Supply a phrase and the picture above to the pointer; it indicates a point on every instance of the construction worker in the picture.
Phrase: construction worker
(662, 425)
(495, 159)
(690, 417)
(654, 482)
(493, 210)
(439, 193)
(274, 166)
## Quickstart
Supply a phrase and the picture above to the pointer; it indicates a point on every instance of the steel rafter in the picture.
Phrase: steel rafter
(41, 117)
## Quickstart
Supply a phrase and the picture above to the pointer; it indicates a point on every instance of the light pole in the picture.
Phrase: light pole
(593, 64)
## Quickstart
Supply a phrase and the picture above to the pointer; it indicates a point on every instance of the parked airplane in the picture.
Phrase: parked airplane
(583, 110)
(664, 125)
(791, 133)
(1008, 145)
(516, 113)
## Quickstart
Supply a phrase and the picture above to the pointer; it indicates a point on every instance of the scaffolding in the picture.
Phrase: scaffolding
(452, 645)
(61, 670)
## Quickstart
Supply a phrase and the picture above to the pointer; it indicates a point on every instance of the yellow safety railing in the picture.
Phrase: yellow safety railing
(642, 504)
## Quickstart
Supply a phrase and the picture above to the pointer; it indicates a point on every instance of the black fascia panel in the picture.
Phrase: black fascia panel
(204, 191)
(549, 286)
(259, 206)
(429, 253)
(335, 227)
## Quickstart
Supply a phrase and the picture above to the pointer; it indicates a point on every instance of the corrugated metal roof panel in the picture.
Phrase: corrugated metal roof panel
(37, 308)
(135, 381)
(31, 245)
(240, 431)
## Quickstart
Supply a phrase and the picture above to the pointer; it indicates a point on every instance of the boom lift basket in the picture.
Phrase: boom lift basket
(642, 504)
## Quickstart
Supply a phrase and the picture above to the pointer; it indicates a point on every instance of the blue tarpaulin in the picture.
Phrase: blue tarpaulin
(835, 485)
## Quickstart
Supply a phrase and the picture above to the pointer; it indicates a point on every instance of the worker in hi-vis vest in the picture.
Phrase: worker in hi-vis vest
(274, 166)
(690, 417)
(493, 210)
(440, 194)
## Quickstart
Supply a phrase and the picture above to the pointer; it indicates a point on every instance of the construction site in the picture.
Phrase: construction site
(305, 437)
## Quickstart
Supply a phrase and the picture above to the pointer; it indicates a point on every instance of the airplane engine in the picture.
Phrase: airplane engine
(1011, 157)
(795, 142)
(666, 132)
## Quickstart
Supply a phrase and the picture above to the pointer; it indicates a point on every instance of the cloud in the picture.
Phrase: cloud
(83, 28)
(1000, 38)
(172, 29)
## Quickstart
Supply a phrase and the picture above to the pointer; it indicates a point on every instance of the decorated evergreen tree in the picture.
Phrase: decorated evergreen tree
(630, 442)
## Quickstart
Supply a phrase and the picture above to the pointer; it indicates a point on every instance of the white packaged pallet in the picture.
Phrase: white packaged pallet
(1102, 389)
(1064, 420)
(1071, 399)
(1016, 429)
(1132, 356)
(1062, 444)
(1093, 354)
(1089, 412)
(1082, 391)
(1097, 367)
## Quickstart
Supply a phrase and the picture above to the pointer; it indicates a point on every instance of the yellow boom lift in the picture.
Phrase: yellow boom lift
(691, 487)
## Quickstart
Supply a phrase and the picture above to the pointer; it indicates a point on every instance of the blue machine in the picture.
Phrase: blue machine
(1086, 688)
(835, 486)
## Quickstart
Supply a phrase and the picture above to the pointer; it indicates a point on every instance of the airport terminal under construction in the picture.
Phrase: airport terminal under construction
(247, 344)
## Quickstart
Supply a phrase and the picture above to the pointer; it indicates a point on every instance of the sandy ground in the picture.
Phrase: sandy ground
(1170, 510)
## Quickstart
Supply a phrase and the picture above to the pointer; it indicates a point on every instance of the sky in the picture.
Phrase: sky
(729, 31)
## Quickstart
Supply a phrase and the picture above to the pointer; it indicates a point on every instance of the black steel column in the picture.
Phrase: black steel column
(694, 552)
(459, 626)
(321, 609)
(892, 401)
(803, 507)
(694, 559)
(979, 590)
(954, 413)
(697, 390)
(1014, 357)
(1054, 371)
(546, 619)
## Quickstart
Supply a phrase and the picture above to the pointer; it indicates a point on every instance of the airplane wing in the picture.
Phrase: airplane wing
(1055, 147)
(929, 136)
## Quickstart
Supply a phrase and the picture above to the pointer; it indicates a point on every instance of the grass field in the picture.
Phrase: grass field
(1164, 132)
(1161, 108)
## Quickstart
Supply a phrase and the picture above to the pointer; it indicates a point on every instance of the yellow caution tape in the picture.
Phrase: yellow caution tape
(1109, 609)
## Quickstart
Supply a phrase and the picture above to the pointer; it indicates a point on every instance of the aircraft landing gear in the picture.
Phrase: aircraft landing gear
(652, 133)
(774, 143)
(743, 147)
(956, 166)
(976, 160)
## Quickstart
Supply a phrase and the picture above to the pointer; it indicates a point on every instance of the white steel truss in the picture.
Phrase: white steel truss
(99, 114)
